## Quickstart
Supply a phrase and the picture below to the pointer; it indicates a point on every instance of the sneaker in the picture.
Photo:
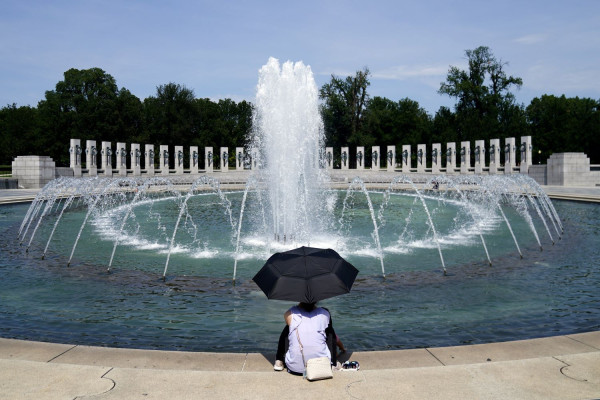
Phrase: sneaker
(278, 366)
(351, 366)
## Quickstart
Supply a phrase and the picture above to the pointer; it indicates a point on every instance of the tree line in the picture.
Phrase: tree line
(88, 104)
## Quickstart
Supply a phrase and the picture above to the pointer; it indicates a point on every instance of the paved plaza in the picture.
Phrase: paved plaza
(560, 367)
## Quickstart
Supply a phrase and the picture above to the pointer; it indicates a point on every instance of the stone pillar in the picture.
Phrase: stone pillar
(75, 157)
(254, 159)
(239, 158)
(194, 159)
(224, 154)
(209, 159)
(390, 156)
(106, 161)
(526, 154)
(179, 160)
(436, 158)
(405, 158)
(375, 158)
(450, 157)
(329, 157)
(149, 159)
(509, 155)
(479, 156)
(344, 158)
(494, 154)
(465, 157)
(121, 154)
(421, 158)
(163, 160)
(135, 157)
(91, 157)
(360, 157)
(34, 172)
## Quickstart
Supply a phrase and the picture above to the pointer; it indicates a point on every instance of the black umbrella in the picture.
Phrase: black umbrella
(306, 274)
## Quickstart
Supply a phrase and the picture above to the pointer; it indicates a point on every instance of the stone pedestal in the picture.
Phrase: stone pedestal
(75, 152)
(240, 157)
(194, 160)
(33, 172)
(136, 159)
(208, 159)
(149, 159)
(375, 158)
(479, 156)
(345, 158)
(106, 162)
(569, 169)
(91, 157)
(450, 157)
(360, 158)
(164, 157)
(121, 154)
(179, 160)
(421, 158)
(390, 157)
(465, 157)
(329, 157)
(526, 150)
(509, 155)
(436, 158)
(494, 154)
(224, 154)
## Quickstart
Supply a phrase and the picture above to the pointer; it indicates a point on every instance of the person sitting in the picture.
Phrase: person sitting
(312, 327)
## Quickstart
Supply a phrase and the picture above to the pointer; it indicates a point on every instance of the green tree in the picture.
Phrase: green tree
(485, 108)
(345, 101)
(387, 122)
(561, 124)
(171, 117)
(19, 133)
(87, 104)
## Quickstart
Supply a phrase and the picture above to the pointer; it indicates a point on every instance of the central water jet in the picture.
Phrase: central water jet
(287, 143)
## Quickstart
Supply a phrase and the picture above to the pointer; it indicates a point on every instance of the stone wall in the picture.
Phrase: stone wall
(538, 173)
(569, 169)
(33, 172)
(9, 183)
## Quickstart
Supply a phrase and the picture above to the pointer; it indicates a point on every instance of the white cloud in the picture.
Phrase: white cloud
(531, 39)
(402, 72)
(581, 81)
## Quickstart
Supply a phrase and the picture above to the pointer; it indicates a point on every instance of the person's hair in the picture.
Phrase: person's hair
(307, 306)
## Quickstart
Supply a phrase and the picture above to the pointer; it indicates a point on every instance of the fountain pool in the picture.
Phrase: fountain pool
(545, 293)
(166, 263)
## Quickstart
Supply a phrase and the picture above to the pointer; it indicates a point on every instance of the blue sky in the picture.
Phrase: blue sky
(217, 47)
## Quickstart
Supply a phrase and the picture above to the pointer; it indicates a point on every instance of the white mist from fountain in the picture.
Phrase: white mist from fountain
(287, 142)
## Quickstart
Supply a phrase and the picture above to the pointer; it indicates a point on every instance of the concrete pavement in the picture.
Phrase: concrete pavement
(562, 367)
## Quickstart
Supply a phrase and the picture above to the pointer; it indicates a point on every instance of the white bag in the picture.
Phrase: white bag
(318, 368)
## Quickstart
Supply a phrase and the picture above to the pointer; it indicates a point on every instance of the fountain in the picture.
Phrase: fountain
(443, 260)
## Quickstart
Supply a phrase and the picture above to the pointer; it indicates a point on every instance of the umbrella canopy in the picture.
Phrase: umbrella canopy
(305, 274)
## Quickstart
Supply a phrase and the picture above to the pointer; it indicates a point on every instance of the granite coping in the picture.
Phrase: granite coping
(14, 349)
(561, 367)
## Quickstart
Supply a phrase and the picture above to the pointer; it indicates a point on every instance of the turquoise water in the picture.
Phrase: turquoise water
(546, 293)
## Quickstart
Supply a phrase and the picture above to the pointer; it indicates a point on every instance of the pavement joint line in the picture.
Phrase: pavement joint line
(579, 341)
(114, 384)
(563, 369)
(55, 357)
(349, 385)
(245, 361)
(433, 355)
